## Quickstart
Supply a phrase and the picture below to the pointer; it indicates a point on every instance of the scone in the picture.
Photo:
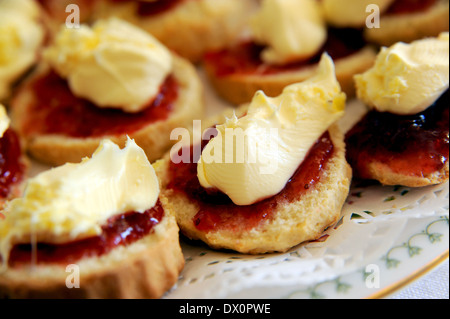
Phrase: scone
(97, 232)
(57, 12)
(255, 208)
(409, 20)
(13, 163)
(128, 85)
(188, 27)
(22, 36)
(403, 140)
(285, 44)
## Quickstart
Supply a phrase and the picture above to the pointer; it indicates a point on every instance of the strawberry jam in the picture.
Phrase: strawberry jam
(416, 145)
(12, 168)
(55, 110)
(245, 58)
(216, 210)
(121, 230)
(145, 8)
(410, 6)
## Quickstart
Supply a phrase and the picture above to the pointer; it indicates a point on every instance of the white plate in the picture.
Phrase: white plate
(387, 237)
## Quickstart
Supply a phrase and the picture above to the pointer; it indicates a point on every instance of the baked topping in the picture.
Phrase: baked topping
(20, 37)
(352, 13)
(4, 120)
(266, 146)
(411, 145)
(291, 29)
(55, 110)
(73, 201)
(407, 78)
(113, 64)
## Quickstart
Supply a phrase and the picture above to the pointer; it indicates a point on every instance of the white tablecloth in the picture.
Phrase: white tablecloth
(434, 285)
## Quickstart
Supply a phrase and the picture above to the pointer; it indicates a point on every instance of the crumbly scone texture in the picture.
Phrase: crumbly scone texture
(382, 173)
(410, 27)
(154, 139)
(295, 223)
(191, 28)
(240, 88)
(145, 269)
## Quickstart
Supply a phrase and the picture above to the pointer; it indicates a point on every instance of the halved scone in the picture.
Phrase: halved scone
(188, 27)
(95, 232)
(125, 84)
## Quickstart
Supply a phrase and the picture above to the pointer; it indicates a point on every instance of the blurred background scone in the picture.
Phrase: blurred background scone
(284, 46)
(109, 81)
(188, 27)
(21, 38)
(400, 20)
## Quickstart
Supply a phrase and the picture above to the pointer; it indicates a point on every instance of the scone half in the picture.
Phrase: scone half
(289, 223)
(154, 138)
(239, 88)
(145, 269)
(407, 27)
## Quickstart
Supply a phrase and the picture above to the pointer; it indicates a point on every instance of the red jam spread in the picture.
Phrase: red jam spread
(218, 212)
(145, 8)
(410, 6)
(12, 168)
(121, 230)
(416, 145)
(55, 110)
(245, 58)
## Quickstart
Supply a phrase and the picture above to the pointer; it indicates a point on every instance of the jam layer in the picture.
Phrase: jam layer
(216, 210)
(120, 230)
(409, 6)
(416, 145)
(149, 8)
(12, 168)
(55, 110)
(245, 58)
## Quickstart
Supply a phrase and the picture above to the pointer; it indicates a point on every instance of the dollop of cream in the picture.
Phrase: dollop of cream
(72, 201)
(21, 37)
(113, 64)
(292, 29)
(351, 13)
(4, 120)
(407, 78)
(252, 158)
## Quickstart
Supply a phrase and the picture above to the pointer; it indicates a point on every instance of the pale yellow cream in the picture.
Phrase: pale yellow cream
(21, 37)
(4, 120)
(291, 29)
(407, 78)
(73, 201)
(113, 64)
(253, 157)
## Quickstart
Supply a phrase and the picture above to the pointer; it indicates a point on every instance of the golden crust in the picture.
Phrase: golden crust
(293, 224)
(191, 28)
(410, 27)
(145, 269)
(386, 176)
(240, 88)
(154, 138)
